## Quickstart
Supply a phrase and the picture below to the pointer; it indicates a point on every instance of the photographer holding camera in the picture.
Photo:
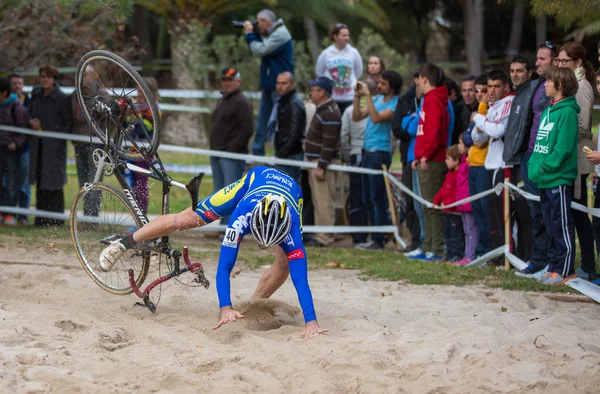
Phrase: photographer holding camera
(273, 43)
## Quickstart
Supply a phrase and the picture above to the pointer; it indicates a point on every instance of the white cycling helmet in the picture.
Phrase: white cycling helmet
(271, 221)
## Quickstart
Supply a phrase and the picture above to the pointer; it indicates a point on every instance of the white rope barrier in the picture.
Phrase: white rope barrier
(582, 286)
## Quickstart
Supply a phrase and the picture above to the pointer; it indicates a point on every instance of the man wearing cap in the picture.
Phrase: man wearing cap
(231, 130)
(322, 145)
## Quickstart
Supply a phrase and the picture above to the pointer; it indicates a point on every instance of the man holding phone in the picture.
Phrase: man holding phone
(377, 147)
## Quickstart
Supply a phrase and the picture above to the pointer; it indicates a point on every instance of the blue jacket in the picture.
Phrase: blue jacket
(277, 52)
(410, 123)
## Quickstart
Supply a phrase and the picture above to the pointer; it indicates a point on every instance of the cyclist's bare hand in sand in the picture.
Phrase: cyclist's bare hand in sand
(312, 329)
(227, 315)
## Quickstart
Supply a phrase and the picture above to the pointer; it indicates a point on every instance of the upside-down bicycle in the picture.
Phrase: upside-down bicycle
(123, 114)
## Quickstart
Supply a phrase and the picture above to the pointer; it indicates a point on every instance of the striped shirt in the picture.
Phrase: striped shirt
(322, 141)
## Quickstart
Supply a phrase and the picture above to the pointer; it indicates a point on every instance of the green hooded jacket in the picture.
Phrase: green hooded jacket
(554, 158)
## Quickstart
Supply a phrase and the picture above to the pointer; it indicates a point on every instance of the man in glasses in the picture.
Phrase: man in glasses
(546, 54)
(273, 44)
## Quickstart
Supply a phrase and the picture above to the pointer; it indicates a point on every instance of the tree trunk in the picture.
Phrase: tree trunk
(540, 29)
(514, 42)
(312, 35)
(474, 33)
(187, 44)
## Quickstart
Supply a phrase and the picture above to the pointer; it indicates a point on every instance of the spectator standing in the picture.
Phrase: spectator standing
(458, 105)
(594, 158)
(231, 130)
(407, 105)
(16, 83)
(49, 110)
(86, 169)
(454, 236)
(142, 131)
(375, 67)
(514, 147)
(546, 54)
(553, 167)
(273, 44)
(430, 153)
(290, 125)
(573, 56)
(478, 176)
(341, 63)
(322, 144)
(352, 142)
(12, 113)
(462, 192)
(377, 148)
(493, 126)
(467, 88)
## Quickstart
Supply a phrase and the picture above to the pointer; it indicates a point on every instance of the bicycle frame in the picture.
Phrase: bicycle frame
(156, 172)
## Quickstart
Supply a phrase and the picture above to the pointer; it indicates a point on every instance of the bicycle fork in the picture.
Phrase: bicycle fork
(195, 268)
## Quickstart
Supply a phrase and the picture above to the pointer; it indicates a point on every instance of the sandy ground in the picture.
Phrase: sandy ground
(59, 332)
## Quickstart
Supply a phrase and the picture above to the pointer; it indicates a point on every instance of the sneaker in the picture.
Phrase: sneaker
(430, 256)
(554, 279)
(462, 262)
(111, 254)
(23, 221)
(530, 269)
(596, 282)
(544, 277)
(585, 275)
(420, 256)
(415, 252)
(10, 220)
(371, 245)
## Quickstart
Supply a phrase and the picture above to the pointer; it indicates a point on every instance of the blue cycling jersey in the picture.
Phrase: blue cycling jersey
(238, 200)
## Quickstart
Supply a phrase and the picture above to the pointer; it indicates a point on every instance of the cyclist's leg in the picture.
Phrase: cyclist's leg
(166, 224)
(273, 277)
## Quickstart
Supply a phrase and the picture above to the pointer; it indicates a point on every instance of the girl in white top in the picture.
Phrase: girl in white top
(341, 63)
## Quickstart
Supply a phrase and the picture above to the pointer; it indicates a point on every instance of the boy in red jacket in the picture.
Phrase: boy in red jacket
(454, 238)
(430, 153)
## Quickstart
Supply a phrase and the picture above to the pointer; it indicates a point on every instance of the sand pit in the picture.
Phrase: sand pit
(60, 332)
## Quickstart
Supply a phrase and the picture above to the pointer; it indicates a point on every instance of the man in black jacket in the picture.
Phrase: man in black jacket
(515, 144)
(407, 104)
(287, 124)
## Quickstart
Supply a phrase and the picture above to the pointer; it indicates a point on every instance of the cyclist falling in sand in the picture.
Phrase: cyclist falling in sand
(265, 202)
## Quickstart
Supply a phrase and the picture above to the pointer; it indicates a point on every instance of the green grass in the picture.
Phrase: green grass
(371, 265)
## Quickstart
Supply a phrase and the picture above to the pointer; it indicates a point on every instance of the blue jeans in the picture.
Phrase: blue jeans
(25, 187)
(478, 182)
(225, 172)
(267, 101)
(541, 239)
(293, 171)
(374, 192)
(416, 188)
(357, 213)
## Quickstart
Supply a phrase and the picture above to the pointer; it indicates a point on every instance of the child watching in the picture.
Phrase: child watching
(462, 192)
(453, 228)
(553, 168)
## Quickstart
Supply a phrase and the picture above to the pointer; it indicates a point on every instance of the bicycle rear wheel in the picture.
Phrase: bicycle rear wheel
(117, 102)
(98, 216)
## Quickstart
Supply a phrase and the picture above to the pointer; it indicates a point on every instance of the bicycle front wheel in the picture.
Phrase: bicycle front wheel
(118, 104)
(98, 216)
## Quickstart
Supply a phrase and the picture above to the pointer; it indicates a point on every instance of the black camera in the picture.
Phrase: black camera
(240, 24)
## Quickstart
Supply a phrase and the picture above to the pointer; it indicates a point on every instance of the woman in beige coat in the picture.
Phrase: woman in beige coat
(573, 56)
